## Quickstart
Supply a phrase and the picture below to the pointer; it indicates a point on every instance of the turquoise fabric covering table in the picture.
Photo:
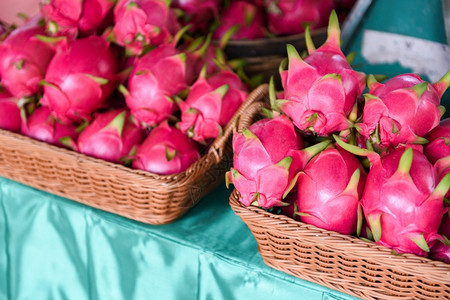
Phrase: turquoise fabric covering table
(55, 248)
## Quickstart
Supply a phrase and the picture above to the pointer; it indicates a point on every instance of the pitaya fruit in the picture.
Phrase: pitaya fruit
(329, 189)
(441, 250)
(320, 91)
(290, 16)
(74, 18)
(143, 23)
(402, 110)
(402, 199)
(166, 151)
(10, 116)
(266, 161)
(439, 141)
(156, 77)
(41, 125)
(79, 79)
(210, 105)
(197, 13)
(111, 136)
(24, 59)
(247, 16)
(442, 167)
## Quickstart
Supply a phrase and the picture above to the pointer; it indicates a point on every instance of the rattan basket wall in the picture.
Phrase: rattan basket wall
(134, 194)
(344, 263)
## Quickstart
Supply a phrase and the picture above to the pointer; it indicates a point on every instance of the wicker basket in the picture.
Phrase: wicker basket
(134, 194)
(344, 263)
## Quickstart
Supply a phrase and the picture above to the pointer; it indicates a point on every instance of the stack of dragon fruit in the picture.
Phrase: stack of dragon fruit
(346, 152)
(121, 81)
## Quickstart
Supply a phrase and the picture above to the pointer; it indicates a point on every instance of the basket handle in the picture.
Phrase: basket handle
(254, 101)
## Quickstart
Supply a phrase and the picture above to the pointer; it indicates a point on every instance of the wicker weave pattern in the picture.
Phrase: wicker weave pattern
(134, 194)
(344, 263)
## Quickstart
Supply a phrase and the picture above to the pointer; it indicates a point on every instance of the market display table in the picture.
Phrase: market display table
(55, 248)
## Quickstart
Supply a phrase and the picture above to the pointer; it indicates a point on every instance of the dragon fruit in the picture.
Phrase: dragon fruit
(247, 16)
(289, 16)
(210, 105)
(402, 110)
(24, 59)
(143, 23)
(320, 91)
(156, 77)
(71, 18)
(10, 117)
(266, 161)
(439, 141)
(79, 79)
(166, 151)
(402, 199)
(41, 125)
(111, 136)
(197, 13)
(329, 189)
(441, 250)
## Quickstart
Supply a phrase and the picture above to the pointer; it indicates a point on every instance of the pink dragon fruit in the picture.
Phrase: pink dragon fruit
(197, 13)
(441, 250)
(439, 141)
(41, 125)
(290, 16)
(442, 168)
(157, 76)
(166, 151)
(402, 110)
(266, 161)
(143, 23)
(10, 117)
(402, 200)
(71, 18)
(329, 189)
(79, 79)
(210, 105)
(320, 91)
(24, 60)
(111, 136)
(247, 16)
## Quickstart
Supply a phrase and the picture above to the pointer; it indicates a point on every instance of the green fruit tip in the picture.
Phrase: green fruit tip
(309, 42)
(405, 161)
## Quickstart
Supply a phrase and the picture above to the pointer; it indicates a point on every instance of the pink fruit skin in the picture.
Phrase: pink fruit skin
(399, 113)
(322, 88)
(109, 142)
(71, 18)
(198, 13)
(326, 193)
(71, 92)
(22, 67)
(256, 173)
(438, 141)
(404, 202)
(141, 23)
(41, 125)
(441, 251)
(289, 16)
(207, 111)
(248, 16)
(158, 75)
(9, 112)
(162, 141)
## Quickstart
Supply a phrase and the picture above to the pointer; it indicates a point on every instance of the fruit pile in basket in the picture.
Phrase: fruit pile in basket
(339, 150)
(123, 81)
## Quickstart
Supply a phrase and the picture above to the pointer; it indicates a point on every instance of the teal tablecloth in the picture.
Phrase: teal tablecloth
(54, 248)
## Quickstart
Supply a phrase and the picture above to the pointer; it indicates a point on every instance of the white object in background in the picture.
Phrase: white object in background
(422, 56)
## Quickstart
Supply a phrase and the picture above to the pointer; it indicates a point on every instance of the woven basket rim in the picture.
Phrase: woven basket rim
(409, 263)
(213, 155)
